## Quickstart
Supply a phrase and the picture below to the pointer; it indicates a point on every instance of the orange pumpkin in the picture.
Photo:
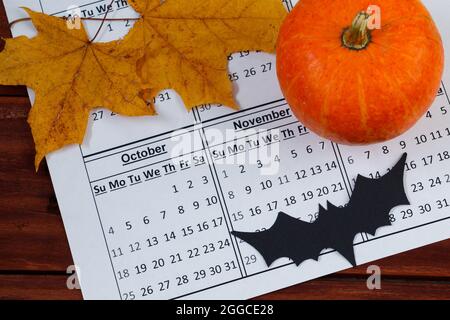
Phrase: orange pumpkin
(354, 84)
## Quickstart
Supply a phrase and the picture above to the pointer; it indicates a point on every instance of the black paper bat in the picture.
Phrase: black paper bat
(336, 228)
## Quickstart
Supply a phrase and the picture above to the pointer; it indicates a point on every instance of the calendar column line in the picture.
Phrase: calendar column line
(40, 4)
(222, 200)
(226, 212)
(342, 169)
(289, 5)
(445, 92)
(198, 120)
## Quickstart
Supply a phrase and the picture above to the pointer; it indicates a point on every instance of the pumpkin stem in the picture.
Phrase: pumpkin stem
(357, 36)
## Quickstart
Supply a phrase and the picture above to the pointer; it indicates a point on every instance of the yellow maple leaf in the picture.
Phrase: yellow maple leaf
(70, 75)
(185, 44)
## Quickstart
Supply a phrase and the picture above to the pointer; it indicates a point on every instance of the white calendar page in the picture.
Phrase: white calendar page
(149, 218)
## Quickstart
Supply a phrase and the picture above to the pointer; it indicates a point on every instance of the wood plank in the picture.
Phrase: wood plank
(13, 107)
(54, 287)
(19, 91)
(354, 288)
(44, 287)
(5, 32)
(33, 243)
(428, 261)
(32, 236)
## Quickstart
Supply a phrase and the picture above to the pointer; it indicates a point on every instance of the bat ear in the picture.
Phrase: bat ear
(400, 165)
(393, 182)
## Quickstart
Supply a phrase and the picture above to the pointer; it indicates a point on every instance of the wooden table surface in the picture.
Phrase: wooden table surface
(34, 252)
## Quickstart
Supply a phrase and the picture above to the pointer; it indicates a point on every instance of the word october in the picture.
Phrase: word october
(149, 152)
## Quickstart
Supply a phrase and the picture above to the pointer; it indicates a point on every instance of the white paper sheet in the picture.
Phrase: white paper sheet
(148, 203)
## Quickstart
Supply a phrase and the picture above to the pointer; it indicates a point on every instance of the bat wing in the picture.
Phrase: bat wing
(288, 237)
(373, 199)
(336, 230)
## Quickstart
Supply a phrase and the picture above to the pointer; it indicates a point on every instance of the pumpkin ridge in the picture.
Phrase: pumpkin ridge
(391, 82)
(324, 109)
(362, 105)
